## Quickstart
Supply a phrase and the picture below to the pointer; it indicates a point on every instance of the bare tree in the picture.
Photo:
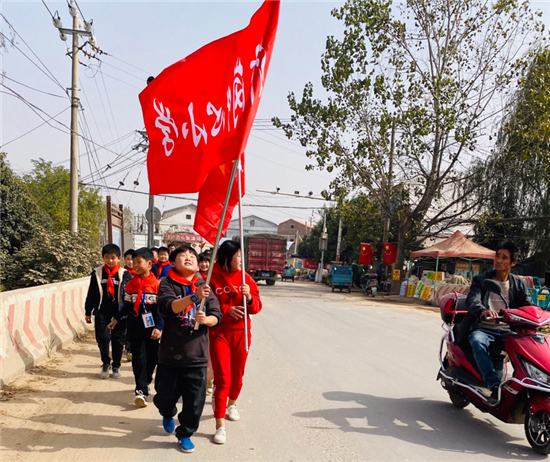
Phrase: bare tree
(413, 91)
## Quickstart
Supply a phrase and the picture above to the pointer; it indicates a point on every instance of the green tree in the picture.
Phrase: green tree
(516, 176)
(412, 89)
(50, 184)
(361, 222)
(22, 217)
(49, 258)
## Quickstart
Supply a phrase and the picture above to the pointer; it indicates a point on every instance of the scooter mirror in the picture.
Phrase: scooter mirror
(492, 286)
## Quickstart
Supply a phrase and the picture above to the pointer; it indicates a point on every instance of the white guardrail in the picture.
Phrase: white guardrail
(36, 321)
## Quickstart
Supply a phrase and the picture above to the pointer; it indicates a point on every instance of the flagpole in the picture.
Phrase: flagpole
(219, 233)
(243, 270)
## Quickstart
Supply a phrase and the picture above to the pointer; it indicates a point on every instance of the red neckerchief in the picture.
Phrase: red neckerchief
(162, 265)
(130, 270)
(155, 261)
(110, 283)
(186, 282)
(139, 285)
(203, 275)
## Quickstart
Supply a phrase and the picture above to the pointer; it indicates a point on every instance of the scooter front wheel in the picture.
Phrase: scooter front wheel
(537, 431)
(459, 400)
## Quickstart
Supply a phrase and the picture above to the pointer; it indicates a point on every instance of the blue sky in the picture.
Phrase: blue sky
(149, 36)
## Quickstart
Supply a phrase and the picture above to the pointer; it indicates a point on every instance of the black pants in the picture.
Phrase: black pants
(145, 354)
(189, 383)
(104, 337)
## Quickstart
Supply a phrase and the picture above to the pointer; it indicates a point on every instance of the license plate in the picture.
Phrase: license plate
(542, 297)
(266, 275)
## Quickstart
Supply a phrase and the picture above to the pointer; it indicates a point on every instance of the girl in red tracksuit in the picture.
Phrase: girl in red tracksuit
(227, 340)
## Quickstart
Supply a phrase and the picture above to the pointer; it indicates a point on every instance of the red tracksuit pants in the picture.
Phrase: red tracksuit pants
(228, 362)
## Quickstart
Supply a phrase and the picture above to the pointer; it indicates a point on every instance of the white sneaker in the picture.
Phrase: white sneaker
(140, 400)
(116, 373)
(232, 413)
(219, 436)
(105, 371)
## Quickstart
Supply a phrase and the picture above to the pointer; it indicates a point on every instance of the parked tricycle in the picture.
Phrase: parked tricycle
(289, 273)
(341, 277)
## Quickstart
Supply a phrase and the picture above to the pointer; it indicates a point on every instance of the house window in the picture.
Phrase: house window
(252, 223)
(292, 226)
(187, 217)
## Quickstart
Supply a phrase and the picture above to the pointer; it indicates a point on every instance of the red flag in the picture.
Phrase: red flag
(365, 256)
(308, 263)
(198, 112)
(390, 253)
(212, 198)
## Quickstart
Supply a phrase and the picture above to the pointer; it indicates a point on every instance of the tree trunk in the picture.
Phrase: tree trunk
(404, 228)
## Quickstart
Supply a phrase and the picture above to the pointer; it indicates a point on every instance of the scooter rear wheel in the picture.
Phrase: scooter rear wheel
(459, 400)
(537, 431)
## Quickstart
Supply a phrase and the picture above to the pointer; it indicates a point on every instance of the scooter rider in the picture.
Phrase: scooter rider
(483, 307)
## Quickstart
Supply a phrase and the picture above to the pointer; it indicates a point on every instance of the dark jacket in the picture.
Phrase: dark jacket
(95, 299)
(180, 344)
(478, 300)
(148, 305)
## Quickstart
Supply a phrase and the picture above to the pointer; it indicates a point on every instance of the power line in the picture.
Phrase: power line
(35, 128)
(50, 76)
(32, 88)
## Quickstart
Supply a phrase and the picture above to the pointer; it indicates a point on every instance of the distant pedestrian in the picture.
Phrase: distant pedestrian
(171, 247)
(155, 251)
(163, 264)
(129, 261)
(129, 267)
(144, 323)
(227, 341)
(103, 301)
(183, 354)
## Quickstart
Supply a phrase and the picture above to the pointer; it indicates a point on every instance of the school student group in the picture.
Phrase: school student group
(152, 307)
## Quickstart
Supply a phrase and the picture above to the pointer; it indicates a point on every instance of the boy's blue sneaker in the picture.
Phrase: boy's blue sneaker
(168, 424)
(186, 445)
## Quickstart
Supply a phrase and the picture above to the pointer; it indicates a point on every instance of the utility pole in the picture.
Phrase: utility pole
(73, 208)
(389, 186)
(76, 32)
(339, 239)
(151, 223)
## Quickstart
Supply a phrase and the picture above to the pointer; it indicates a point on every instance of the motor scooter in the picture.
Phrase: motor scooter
(524, 393)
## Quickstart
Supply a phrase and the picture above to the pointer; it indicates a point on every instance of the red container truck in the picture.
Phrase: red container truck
(265, 257)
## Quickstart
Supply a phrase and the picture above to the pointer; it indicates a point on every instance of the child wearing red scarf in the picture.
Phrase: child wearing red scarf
(183, 353)
(163, 264)
(129, 261)
(144, 324)
(103, 301)
(227, 341)
(204, 264)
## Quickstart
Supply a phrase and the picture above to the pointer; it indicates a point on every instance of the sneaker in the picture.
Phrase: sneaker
(209, 387)
(168, 424)
(186, 445)
(232, 413)
(128, 357)
(105, 371)
(220, 436)
(116, 373)
(140, 400)
(494, 398)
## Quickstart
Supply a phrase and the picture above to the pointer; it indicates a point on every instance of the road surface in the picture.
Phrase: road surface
(330, 377)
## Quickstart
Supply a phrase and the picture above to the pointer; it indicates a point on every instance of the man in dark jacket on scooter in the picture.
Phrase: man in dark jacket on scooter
(483, 309)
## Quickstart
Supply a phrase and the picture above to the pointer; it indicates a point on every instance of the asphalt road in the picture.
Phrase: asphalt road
(330, 377)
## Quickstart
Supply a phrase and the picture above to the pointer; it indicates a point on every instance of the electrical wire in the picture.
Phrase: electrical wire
(35, 128)
(50, 76)
(32, 88)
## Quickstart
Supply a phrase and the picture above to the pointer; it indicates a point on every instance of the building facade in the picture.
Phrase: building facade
(252, 224)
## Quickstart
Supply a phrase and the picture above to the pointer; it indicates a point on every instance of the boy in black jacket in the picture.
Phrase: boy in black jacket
(144, 323)
(183, 354)
(104, 301)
